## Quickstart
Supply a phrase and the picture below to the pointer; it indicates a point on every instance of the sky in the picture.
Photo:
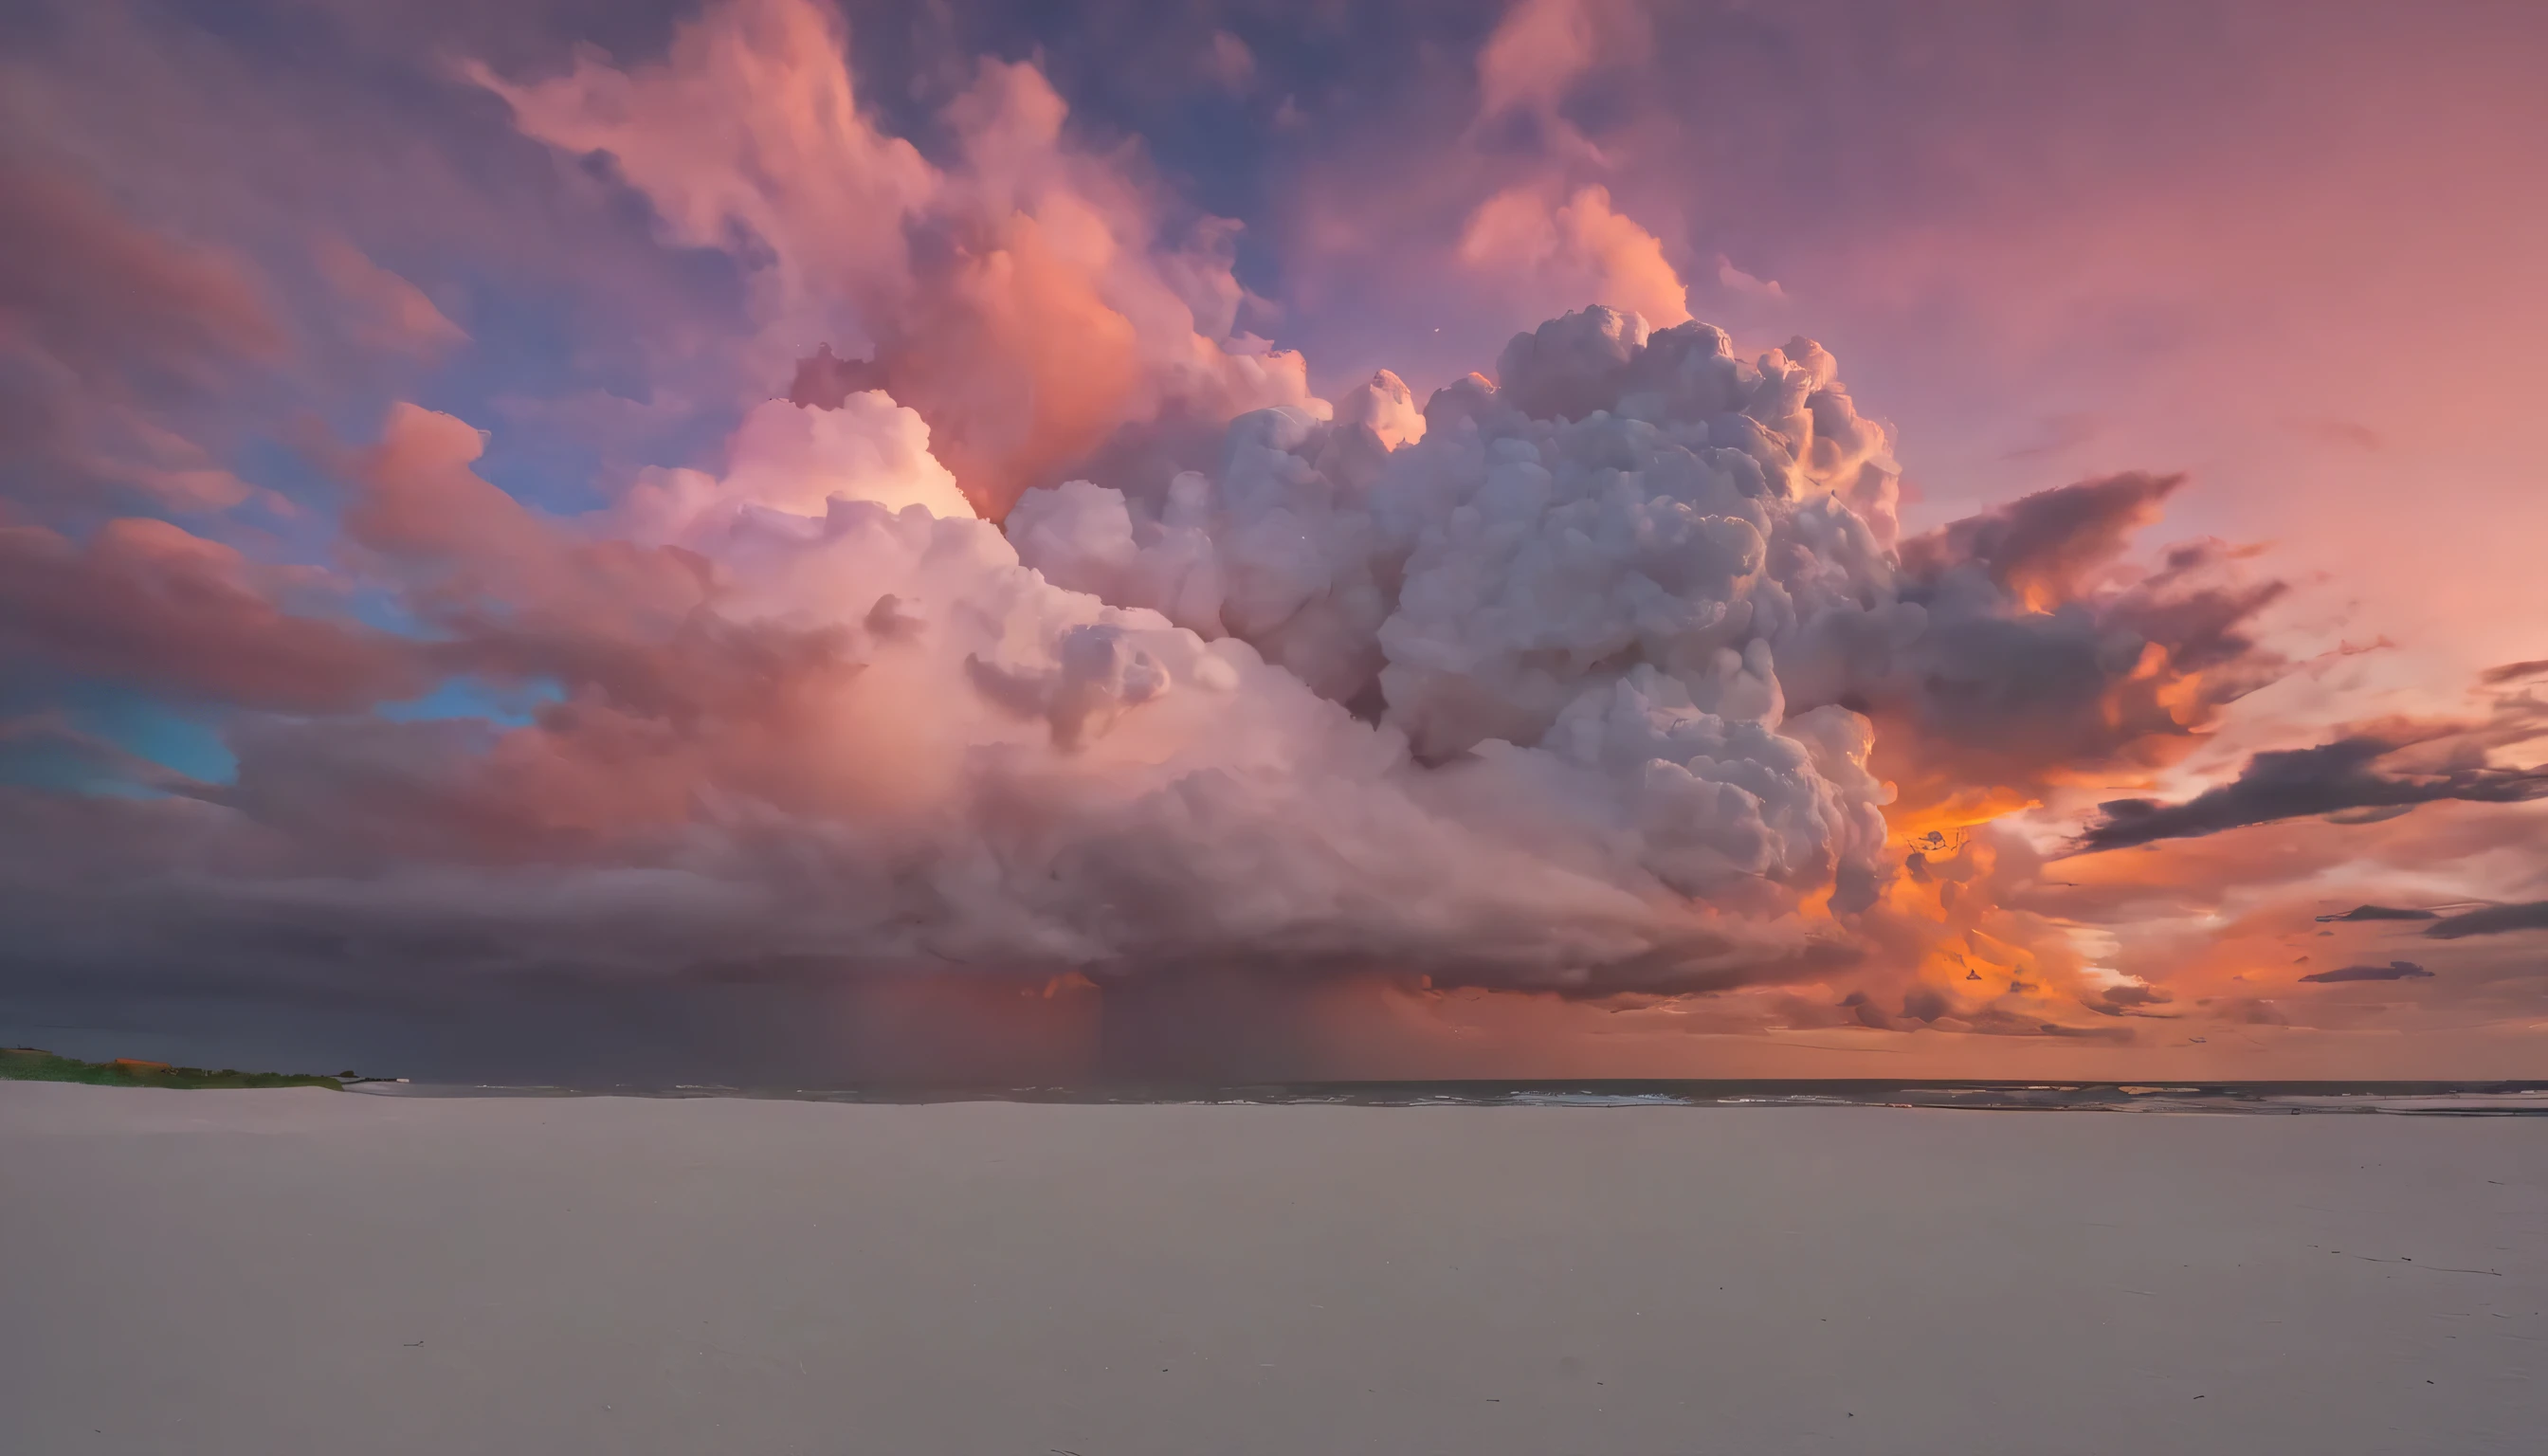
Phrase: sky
(775, 540)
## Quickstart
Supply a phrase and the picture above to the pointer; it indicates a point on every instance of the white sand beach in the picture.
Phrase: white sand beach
(275, 1273)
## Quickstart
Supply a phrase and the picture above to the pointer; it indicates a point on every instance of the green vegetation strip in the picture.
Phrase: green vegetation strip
(27, 1064)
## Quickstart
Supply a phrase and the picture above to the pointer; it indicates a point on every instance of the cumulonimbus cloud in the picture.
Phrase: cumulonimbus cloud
(1570, 682)
(1050, 629)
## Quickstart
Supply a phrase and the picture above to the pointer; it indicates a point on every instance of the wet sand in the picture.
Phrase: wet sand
(305, 1271)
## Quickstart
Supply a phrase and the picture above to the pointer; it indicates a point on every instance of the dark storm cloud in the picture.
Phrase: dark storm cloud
(2337, 778)
(2491, 921)
(2039, 651)
(2395, 971)
(2380, 912)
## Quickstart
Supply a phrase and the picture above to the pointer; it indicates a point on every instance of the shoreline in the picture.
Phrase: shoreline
(2436, 1099)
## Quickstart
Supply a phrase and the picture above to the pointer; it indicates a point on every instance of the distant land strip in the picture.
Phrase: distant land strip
(30, 1064)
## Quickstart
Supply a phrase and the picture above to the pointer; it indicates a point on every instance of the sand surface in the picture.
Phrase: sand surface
(271, 1273)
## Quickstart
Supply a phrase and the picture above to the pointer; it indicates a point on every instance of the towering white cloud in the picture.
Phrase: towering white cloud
(1604, 672)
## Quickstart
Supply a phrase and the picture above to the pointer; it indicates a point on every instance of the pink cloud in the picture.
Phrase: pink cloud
(121, 307)
(1575, 251)
(382, 310)
(148, 602)
(1027, 298)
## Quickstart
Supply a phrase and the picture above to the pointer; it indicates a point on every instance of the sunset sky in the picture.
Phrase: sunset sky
(772, 539)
